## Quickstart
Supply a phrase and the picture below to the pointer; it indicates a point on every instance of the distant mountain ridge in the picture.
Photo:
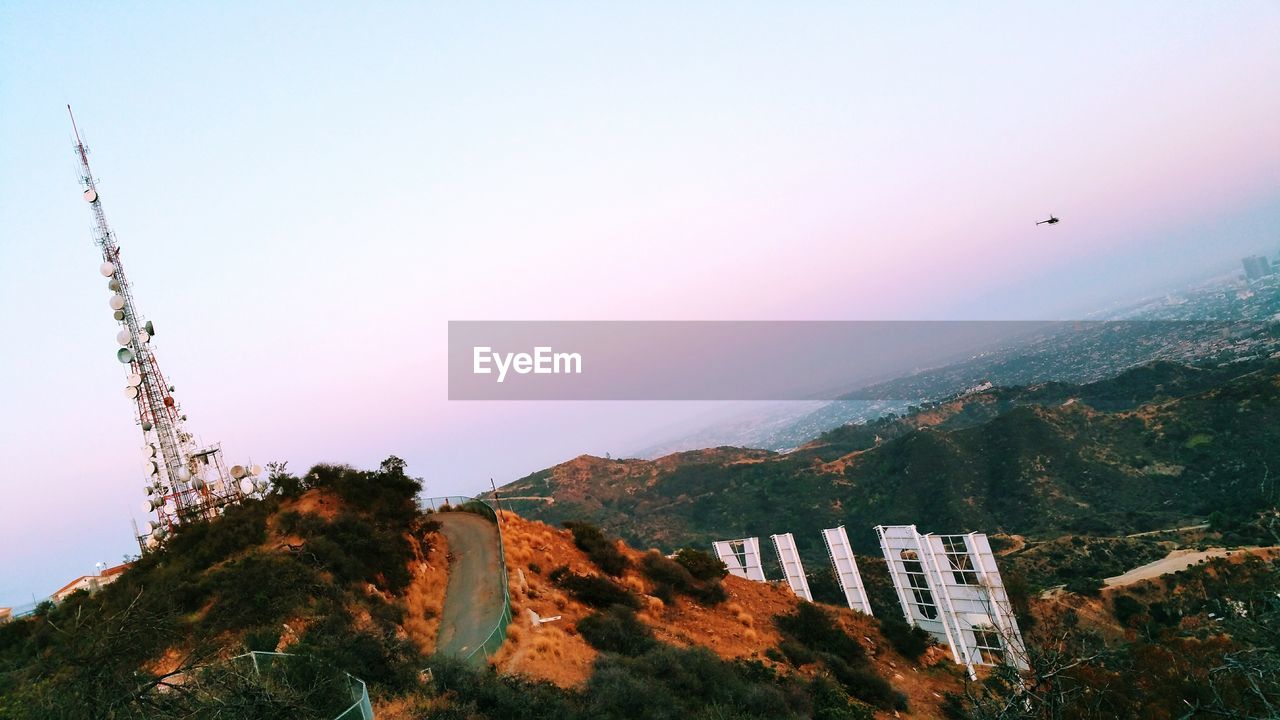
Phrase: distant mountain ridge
(1155, 446)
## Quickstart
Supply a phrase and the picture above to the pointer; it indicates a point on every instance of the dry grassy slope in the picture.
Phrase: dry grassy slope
(742, 627)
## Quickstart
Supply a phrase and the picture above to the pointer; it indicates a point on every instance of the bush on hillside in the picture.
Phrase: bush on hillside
(599, 549)
(701, 564)
(616, 630)
(909, 640)
(596, 591)
(814, 627)
(671, 576)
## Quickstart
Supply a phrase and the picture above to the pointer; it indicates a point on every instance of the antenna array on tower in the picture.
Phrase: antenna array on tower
(184, 481)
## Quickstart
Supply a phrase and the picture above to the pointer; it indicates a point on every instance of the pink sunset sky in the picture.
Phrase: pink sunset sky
(305, 194)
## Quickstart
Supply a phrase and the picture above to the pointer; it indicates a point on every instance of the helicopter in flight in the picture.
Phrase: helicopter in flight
(1051, 221)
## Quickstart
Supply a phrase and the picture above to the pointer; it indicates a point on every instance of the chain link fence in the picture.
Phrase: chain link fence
(286, 664)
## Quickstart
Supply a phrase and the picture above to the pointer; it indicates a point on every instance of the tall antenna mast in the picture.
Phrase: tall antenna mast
(184, 481)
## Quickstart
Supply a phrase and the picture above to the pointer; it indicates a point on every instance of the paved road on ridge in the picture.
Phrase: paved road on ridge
(473, 598)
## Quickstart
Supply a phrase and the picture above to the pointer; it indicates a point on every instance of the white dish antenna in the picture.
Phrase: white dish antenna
(116, 302)
(107, 269)
(135, 380)
(146, 506)
(255, 470)
(184, 473)
(130, 392)
(246, 486)
(143, 337)
(90, 196)
(237, 471)
(151, 467)
(124, 337)
(148, 452)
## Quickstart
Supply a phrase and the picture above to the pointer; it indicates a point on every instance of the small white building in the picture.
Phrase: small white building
(91, 583)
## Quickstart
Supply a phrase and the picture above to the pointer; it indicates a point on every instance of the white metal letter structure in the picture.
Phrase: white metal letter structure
(789, 559)
(742, 557)
(846, 569)
(949, 586)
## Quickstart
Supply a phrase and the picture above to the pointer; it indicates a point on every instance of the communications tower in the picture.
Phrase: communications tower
(185, 481)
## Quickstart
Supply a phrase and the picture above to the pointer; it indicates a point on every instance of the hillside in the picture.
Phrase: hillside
(1159, 446)
(342, 570)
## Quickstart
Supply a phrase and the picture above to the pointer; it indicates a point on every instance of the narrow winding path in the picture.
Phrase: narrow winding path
(473, 598)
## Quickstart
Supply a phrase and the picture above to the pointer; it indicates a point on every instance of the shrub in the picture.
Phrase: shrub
(797, 653)
(1086, 586)
(701, 564)
(599, 549)
(864, 683)
(259, 589)
(598, 592)
(1126, 608)
(616, 630)
(671, 576)
(909, 640)
(814, 627)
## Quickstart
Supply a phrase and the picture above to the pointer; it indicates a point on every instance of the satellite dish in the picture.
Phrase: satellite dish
(146, 426)
(149, 452)
(113, 285)
(184, 473)
(246, 486)
(135, 379)
(255, 470)
(90, 195)
(124, 355)
(116, 302)
(150, 466)
(237, 471)
(124, 337)
(146, 506)
(131, 392)
(119, 314)
(152, 543)
(107, 269)
(151, 329)
(143, 336)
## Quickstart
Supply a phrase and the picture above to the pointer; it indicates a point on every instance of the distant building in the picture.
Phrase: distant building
(91, 583)
(1256, 267)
